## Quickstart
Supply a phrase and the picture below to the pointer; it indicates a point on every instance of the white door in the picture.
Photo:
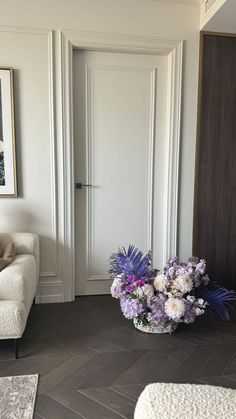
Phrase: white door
(119, 126)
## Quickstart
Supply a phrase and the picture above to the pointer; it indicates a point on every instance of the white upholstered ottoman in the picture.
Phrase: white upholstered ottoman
(185, 401)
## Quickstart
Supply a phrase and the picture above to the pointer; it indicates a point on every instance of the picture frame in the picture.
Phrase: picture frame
(8, 183)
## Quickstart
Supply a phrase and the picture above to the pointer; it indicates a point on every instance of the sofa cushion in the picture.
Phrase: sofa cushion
(7, 255)
(18, 281)
(13, 316)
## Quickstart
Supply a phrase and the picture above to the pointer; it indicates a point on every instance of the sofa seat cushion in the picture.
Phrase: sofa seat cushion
(185, 401)
(13, 316)
(18, 280)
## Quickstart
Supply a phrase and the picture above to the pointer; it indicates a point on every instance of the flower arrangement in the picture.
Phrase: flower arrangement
(158, 301)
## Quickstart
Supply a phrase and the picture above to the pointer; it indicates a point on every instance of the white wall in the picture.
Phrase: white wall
(29, 53)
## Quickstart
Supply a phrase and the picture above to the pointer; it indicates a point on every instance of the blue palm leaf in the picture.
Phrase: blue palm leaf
(218, 299)
(130, 262)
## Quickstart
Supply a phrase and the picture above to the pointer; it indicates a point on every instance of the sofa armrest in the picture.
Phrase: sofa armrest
(18, 281)
(25, 243)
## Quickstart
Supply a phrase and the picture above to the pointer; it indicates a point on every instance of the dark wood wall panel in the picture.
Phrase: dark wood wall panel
(214, 233)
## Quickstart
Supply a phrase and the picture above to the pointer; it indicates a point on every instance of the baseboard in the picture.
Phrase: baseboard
(50, 290)
(44, 299)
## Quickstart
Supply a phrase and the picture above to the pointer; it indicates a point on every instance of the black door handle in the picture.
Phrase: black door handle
(81, 185)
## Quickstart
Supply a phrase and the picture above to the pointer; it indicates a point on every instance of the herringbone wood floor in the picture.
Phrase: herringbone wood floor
(93, 364)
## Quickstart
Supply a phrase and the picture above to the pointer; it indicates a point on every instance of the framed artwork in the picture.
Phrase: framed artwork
(8, 186)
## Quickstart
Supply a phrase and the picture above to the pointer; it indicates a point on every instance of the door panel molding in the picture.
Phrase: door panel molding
(150, 74)
(67, 40)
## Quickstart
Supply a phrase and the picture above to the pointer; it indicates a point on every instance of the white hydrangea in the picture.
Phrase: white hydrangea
(183, 283)
(138, 292)
(148, 290)
(116, 287)
(199, 311)
(149, 317)
(191, 298)
(145, 291)
(173, 292)
(160, 283)
(174, 308)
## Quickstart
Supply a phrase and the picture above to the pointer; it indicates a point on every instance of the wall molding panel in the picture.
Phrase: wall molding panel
(67, 40)
(66, 165)
(47, 275)
(48, 289)
(172, 153)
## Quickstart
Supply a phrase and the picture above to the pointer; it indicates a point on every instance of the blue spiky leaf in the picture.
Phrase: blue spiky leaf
(218, 299)
(130, 262)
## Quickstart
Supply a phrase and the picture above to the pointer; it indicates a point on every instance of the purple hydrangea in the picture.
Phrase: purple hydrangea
(129, 288)
(193, 307)
(195, 268)
(194, 260)
(189, 314)
(118, 287)
(205, 280)
(156, 305)
(131, 307)
(201, 267)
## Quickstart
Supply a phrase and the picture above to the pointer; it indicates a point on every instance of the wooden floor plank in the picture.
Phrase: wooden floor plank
(111, 399)
(62, 371)
(218, 361)
(218, 381)
(131, 391)
(49, 408)
(85, 406)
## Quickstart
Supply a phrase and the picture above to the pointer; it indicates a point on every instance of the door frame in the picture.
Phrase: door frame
(108, 42)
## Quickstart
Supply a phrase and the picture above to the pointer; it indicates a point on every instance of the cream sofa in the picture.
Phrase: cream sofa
(18, 284)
